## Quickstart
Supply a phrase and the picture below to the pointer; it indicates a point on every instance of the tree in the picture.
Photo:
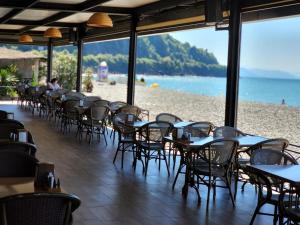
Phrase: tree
(64, 69)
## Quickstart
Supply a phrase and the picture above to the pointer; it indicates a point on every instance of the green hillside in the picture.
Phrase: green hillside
(160, 54)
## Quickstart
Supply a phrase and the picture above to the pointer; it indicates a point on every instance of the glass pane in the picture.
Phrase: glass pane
(269, 85)
(183, 73)
(105, 68)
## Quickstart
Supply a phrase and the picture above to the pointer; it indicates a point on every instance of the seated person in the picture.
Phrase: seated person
(53, 84)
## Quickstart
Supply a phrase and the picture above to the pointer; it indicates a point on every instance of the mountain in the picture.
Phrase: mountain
(273, 74)
(159, 54)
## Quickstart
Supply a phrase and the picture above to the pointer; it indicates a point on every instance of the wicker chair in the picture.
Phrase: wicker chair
(208, 163)
(289, 207)
(3, 115)
(267, 185)
(94, 122)
(27, 148)
(167, 117)
(17, 164)
(151, 143)
(101, 102)
(70, 114)
(38, 209)
(74, 96)
(196, 130)
(126, 134)
(130, 109)
(227, 132)
(7, 127)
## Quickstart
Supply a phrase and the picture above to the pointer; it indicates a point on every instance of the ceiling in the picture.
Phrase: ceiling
(35, 16)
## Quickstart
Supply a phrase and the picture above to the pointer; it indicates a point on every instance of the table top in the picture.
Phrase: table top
(138, 124)
(244, 141)
(21, 185)
(286, 173)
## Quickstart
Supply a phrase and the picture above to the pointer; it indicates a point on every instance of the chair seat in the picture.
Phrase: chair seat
(293, 213)
(203, 169)
(152, 146)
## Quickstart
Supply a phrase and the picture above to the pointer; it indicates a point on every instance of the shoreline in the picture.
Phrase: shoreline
(269, 120)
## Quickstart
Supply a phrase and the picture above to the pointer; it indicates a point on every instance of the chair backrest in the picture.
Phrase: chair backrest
(12, 123)
(101, 102)
(276, 144)
(130, 109)
(3, 115)
(38, 209)
(155, 131)
(73, 95)
(114, 106)
(7, 127)
(27, 148)
(17, 164)
(198, 129)
(271, 157)
(218, 152)
(92, 98)
(120, 123)
(167, 117)
(69, 106)
(227, 132)
(98, 113)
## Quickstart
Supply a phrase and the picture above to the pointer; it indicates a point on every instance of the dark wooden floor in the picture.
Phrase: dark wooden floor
(112, 196)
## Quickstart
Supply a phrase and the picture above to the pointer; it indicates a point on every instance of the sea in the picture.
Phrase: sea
(262, 90)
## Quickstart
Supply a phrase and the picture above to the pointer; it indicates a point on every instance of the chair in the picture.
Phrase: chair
(70, 114)
(151, 143)
(130, 109)
(95, 122)
(11, 122)
(167, 117)
(196, 130)
(206, 164)
(3, 115)
(74, 95)
(89, 100)
(38, 209)
(7, 127)
(289, 207)
(101, 102)
(126, 134)
(27, 148)
(267, 156)
(227, 132)
(17, 164)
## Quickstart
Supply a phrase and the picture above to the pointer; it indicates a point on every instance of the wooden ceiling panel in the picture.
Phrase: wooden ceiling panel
(10, 27)
(4, 11)
(128, 4)
(76, 18)
(63, 1)
(34, 15)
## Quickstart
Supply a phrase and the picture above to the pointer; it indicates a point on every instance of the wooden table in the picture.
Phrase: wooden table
(21, 185)
(285, 173)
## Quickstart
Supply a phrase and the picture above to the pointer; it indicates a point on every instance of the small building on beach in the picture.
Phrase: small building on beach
(27, 63)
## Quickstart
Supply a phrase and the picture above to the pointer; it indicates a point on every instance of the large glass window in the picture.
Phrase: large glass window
(183, 73)
(269, 85)
(105, 68)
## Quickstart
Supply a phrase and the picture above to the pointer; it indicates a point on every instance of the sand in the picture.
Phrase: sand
(269, 120)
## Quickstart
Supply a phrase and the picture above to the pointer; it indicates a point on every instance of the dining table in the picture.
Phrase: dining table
(22, 185)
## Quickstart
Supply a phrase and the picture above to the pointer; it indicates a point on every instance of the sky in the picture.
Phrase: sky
(267, 45)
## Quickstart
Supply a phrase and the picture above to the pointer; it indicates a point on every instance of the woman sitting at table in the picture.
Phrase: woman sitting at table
(53, 84)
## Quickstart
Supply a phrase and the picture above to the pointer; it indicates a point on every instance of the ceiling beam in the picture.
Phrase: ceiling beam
(163, 5)
(40, 23)
(86, 5)
(15, 11)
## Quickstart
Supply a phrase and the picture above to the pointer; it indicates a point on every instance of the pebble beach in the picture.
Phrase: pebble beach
(269, 120)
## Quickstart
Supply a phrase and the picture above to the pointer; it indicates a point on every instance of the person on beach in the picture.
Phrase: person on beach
(283, 102)
(53, 84)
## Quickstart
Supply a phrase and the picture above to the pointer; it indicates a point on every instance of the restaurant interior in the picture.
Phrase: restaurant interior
(67, 157)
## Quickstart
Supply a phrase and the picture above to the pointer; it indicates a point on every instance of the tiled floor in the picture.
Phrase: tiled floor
(113, 196)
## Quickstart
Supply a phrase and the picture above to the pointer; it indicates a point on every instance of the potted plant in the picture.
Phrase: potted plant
(88, 84)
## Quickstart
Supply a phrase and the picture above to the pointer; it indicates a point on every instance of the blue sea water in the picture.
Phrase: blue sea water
(264, 90)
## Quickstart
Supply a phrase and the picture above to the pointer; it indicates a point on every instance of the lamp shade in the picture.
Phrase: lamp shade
(25, 39)
(100, 20)
(52, 33)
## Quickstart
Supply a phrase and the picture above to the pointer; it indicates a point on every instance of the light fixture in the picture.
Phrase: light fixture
(52, 33)
(100, 20)
(25, 38)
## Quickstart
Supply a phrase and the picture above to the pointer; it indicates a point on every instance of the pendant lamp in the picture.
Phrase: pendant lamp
(53, 33)
(25, 39)
(100, 20)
